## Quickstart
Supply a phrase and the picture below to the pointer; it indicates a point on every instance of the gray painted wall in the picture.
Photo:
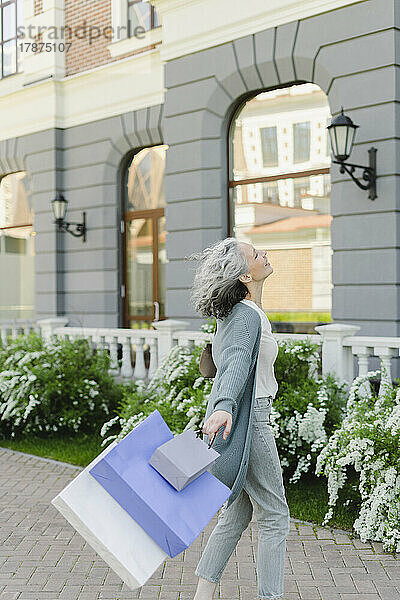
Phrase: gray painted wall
(83, 162)
(352, 53)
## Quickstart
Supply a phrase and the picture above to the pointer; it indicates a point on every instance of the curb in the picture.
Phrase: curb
(50, 460)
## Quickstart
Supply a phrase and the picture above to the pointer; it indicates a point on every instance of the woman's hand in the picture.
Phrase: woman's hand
(215, 421)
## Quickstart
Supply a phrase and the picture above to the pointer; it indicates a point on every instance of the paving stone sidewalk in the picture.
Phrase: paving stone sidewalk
(43, 558)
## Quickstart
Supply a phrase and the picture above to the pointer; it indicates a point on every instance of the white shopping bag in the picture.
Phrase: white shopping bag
(108, 528)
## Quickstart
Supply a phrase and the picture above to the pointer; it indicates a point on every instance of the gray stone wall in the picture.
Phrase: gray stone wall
(83, 163)
(352, 53)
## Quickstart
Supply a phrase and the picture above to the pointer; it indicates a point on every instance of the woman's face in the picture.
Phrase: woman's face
(259, 267)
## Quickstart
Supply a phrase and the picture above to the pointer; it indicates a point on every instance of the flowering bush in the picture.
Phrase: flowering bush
(296, 361)
(177, 390)
(304, 413)
(369, 441)
(52, 386)
(306, 409)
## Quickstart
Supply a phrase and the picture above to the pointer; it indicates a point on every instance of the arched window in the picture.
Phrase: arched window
(280, 197)
(143, 228)
(16, 249)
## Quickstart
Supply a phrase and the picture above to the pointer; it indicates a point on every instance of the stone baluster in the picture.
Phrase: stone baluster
(113, 345)
(363, 353)
(140, 368)
(126, 367)
(4, 334)
(385, 355)
(14, 330)
(153, 357)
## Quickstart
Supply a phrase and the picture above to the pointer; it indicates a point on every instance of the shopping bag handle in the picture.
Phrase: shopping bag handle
(199, 433)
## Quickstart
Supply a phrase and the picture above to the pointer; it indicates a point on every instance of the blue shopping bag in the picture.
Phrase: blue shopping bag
(171, 518)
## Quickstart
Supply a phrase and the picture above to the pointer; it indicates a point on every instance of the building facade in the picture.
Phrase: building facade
(176, 125)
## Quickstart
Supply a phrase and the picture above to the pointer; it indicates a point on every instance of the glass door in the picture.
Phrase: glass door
(145, 260)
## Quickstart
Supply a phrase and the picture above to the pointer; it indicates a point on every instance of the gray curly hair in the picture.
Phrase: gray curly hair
(216, 287)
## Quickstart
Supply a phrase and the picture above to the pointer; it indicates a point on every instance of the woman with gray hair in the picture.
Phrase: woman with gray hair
(228, 285)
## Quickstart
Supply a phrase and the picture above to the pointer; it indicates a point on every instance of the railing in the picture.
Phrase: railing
(133, 341)
(339, 346)
(15, 327)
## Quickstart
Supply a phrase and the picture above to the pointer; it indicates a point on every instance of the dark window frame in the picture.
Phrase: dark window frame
(3, 4)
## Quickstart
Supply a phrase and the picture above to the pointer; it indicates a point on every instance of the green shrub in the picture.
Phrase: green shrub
(54, 386)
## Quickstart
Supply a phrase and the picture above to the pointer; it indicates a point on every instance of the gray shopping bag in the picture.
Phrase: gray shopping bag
(183, 458)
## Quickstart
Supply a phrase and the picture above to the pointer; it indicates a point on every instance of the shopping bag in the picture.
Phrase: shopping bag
(183, 458)
(173, 519)
(108, 528)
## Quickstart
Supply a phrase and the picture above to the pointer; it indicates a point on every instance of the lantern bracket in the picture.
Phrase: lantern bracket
(80, 228)
(369, 173)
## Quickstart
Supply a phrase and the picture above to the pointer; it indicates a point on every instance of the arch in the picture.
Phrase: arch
(263, 61)
(138, 129)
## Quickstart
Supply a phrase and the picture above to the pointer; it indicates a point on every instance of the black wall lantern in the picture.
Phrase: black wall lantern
(342, 132)
(59, 205)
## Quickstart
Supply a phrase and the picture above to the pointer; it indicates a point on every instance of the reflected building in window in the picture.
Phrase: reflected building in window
(16, 248)
(280, 193)
(144, 237)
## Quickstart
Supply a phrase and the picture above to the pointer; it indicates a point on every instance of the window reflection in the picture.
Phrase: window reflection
(269, 146)
(145, 179)
(280, 194)
(144, 239)
(301, 142)
(16, 248)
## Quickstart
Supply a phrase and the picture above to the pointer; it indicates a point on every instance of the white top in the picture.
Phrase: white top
(266, 384)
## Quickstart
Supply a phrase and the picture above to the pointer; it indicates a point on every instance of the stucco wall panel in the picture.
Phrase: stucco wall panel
(193, 213)
(196, 95)
(201, 154)
(192, 126)
(196, 184)
(366, 266)
(185, 242)
(373, 230)
(381, 305)
(374, 50)
(337, 25)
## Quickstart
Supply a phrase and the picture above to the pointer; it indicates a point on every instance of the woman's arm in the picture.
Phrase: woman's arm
(235, 362)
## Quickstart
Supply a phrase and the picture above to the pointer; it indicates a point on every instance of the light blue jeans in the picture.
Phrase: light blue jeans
(264, 491)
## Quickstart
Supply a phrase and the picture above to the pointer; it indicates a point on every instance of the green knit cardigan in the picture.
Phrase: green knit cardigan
(235, 350)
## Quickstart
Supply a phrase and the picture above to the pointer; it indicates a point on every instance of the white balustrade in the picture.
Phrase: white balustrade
(14, 327)
(338, 342)
(338, 350)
